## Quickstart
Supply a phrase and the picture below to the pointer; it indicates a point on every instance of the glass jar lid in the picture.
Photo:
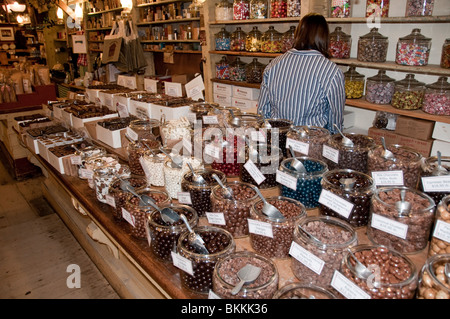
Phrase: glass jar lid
(203, 107)
(415, 36)
(224, 60)
(224, 4)
(255, 64)
(409, 82)
(441, 84)
(255, 32)
(374, 35)
(352, 74)
(238, 33)
(223, 33)
(381, 77)
(338, 34)
(238, 64)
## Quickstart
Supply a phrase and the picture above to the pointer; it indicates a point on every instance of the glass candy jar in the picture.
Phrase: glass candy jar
(103, 177)
(237, 70)
(278, 8)
(223, 69)
(379, 88)
(85, 154)
(287, 41)
(302, 186)
(224, 10)
(340, 44)
(307, 140)
(276, 242)
(406, 231)
(225, 277)
(334, 238)
(173, 174)
(271, 41)
(433, 283)
(408, 93)
(434, 173)
(354, 83)
(163, 237)
(383, 262)
(440, 241)
(253, 40)
(138, 149)
(347, 195)
(222, 40)
(219, 244)
(436, 99)
(298, 290)
(413, 49)
(415, 8)
(238, 38)
(293, 8)
(143, 129)
(258, 9)
(372, 47)
(445, 56)
(340, 9)
(377, 8)
(277, 129)
(241, 9)
(254, 71)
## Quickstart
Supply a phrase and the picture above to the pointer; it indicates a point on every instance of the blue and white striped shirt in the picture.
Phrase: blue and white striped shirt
(304, 87)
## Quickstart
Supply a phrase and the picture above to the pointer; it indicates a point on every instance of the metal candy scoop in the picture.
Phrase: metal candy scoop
(403, 207)
(246, 275)
(439, 169)
(145, 200)
(228, 192)
(168, 215)
(317, 240)
(361, 271)
(303, 132)
(176, 160)
(345, 140)
(348, 183)
(296, 164)
(447, 272)
(387, 154)
(196, 178)
(268, 209)
(195, 239)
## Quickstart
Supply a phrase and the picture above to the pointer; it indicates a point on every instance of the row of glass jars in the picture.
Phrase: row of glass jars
(240, 71)
(270, 41)
(407, 94)
(261, 9)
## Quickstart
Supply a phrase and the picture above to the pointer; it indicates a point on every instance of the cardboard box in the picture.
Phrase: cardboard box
(420, 146)
(66, 118)
(441, 131)
(182, 78)
(57, 162)
(92, 95)
(412, 127)
(245, 93)
(222, 99)
(441, 146)
(111, 138)
(128, 81)
(171, 113)
(223, 89)
(140, 109)
(79, 123)
(244, 104)
(106, 99)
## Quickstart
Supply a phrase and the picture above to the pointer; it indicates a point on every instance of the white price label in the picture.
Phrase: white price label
(128, 217)
(182, 263)
(86, 173)
(132, 134)
(110, 200)
(347, 287)
(216, 218)
(192, 117)
(286, 180)
(122, 110)
(388, 178)
(442, 231)
(336, 203)
(210, 119)
(75, 160)
(212, 295)
(298, 146)
(331, 153)
(260, 228)
(184, 198)
(254, 172)
(436, 183)
(212, 151)
(389, 226)
(306, 258)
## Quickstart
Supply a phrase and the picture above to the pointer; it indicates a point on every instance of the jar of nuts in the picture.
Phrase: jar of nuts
(103, 177)
(440, 242)
(405, 166)
(436, 99)
(138, 149)
(307, 140)
(346, 195)
(302, 186)
(334, 237)
(379, 88)
(271, 41)
(200, 194)
(136, 211)
(299, 290)
(394, 274)
(413, 49)
(433, 177)
(120, 196)
(163, 237)
(261, 164)
(225, 277)
(433, 283)
(218, 242)
(276, 240)
(232, 214)
(405, 229)
(278, 128)
(338, 155)
(340, 44)
(372, 47)
(354, 83)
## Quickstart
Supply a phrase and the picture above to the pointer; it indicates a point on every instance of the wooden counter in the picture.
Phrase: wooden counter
(164, 276)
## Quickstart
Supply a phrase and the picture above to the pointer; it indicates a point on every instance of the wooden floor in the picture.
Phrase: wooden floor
(36, 248)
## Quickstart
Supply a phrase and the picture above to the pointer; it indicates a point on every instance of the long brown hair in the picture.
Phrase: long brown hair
(312, 33)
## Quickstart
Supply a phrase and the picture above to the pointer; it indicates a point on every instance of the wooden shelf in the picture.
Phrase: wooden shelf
(99, 29)
(175, 51)
(256, 21)
(158, 3)
(140, 24)
(245, 53)
(237, 83)
(169, 41)
(104, 11)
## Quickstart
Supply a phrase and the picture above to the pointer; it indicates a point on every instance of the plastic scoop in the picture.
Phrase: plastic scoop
(345, 140)
(196, 178)
(246, 275)
(387, 154)
(194, 238)
(403, 207)
(228, 192)
(361, 271)
(268, 209)
(296, 164)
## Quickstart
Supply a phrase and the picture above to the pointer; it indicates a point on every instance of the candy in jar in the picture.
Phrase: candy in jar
(278, 9)
(445, 57)
(237, 70)
(222, 40)
(372, 47)
(436, 99)
(254, 71)
(419, 8)
(354, 84)
(408, 93)
(287, 42)
(271, 41)
(340, 44)
(440, 241)
(293, 8)
(224, 10)
(238, 40)
(340, 8)
(413, 49)
(379, 88)
(377, 8)
(258, 9)
(433, 283)
(241, 9)
(223, 69)
(253, 40)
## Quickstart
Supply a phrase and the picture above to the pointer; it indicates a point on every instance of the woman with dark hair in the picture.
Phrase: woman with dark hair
(303, 85)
